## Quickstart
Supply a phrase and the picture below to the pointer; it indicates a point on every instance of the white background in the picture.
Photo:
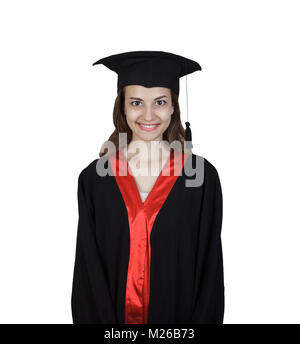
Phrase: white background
(56, 111)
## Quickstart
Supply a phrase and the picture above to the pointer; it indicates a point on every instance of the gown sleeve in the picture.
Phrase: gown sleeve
(90, 301)
(209, 279)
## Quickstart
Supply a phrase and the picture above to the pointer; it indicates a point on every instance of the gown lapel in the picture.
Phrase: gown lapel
(141, 217)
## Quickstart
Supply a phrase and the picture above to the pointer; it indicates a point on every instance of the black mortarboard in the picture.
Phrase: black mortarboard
(151, 69)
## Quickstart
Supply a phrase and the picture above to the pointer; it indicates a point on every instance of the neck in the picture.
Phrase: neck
(153, 152)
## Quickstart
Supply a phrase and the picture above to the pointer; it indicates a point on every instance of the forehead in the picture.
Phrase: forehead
(140, 91)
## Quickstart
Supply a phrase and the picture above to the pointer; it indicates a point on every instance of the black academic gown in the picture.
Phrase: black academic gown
(185, 282)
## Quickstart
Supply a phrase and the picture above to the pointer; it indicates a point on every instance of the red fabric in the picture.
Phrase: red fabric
(141, 217)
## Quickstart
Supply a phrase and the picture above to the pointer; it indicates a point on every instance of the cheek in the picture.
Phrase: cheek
(131, 116)
(166, 117)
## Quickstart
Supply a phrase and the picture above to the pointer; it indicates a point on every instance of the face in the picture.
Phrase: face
(148, 111)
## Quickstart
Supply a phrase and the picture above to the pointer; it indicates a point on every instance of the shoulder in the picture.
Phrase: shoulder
(88, 171)
(96, 170)
(209, 169)
(91, 177)
(210, 177)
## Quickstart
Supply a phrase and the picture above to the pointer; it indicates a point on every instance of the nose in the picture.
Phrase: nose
(149, 115)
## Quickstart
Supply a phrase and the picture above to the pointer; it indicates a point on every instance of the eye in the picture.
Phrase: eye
(162, 101)
(136, 101)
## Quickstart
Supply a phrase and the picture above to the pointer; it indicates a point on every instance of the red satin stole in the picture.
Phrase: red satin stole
(141, 217)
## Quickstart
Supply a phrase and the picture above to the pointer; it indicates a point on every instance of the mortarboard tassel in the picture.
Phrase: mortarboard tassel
(188, 132)
(188, 135)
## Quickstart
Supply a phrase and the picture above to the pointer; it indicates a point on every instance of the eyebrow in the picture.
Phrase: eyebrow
(154, 99)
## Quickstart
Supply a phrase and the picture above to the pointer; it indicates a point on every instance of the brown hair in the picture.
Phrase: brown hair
(175, 130)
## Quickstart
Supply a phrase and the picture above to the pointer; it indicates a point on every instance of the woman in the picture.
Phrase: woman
(149, 232)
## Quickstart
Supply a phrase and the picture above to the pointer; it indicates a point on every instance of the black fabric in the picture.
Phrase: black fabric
(149, 68)
(186, 273)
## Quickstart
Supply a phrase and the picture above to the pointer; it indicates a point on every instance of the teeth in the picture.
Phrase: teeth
(148, 126)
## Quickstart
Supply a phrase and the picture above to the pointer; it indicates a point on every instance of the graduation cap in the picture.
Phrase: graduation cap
(152, 69)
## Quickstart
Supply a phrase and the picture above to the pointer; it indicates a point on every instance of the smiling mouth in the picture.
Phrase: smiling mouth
(148, 126)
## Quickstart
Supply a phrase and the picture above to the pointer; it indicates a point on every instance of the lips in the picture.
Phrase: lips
(147, 127)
